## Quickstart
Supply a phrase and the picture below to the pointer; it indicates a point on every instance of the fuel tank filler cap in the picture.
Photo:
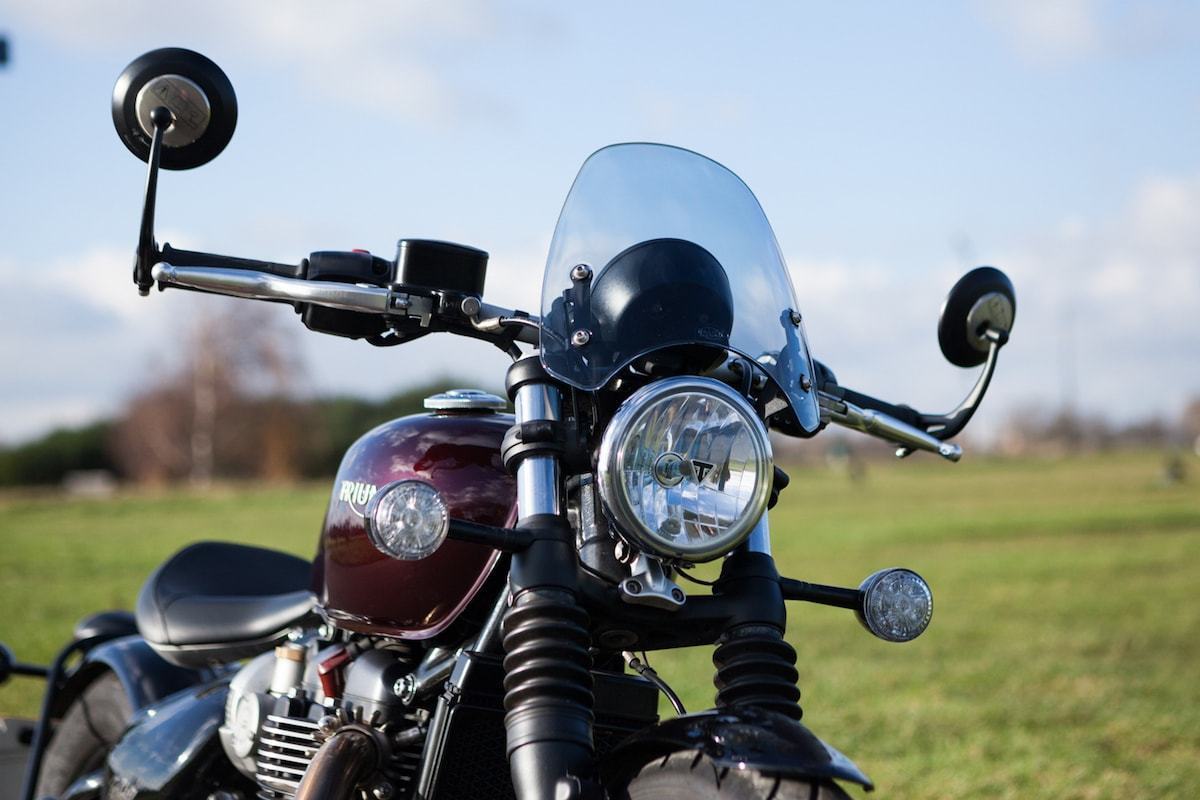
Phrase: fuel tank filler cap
(465, 400)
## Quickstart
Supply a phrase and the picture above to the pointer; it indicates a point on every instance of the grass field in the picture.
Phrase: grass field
(1063, 660)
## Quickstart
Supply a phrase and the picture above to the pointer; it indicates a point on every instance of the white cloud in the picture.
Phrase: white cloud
(389, 57)
(1048, 29)
(1105, 304)
(1107, 310)
(81, 339)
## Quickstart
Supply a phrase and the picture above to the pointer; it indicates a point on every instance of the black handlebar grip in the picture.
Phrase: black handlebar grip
(191, 258)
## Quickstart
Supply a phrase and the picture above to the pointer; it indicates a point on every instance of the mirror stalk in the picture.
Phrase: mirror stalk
(147, 249)
(950, 425)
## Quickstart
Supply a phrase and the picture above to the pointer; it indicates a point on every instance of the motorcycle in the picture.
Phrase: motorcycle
(487, 585)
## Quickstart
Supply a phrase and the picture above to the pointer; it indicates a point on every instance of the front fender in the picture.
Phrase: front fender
(173, 750)
(144, 675)
(736, 737)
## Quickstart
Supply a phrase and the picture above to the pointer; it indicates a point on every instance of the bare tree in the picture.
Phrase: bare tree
(228, 409)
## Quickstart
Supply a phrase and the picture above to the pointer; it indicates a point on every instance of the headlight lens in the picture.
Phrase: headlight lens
(685, 468)
(407, 520)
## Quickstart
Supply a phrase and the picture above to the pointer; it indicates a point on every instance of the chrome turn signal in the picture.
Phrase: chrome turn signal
(896, 604)
(407, 520)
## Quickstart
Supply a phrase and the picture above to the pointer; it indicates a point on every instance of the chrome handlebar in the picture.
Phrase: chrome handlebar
(365, 299)
(486, 318)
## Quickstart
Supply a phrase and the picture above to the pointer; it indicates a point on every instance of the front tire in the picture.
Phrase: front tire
(693, 776)
(88, 731)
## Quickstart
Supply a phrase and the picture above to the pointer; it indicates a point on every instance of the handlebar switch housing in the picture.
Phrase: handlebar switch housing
(346, 267)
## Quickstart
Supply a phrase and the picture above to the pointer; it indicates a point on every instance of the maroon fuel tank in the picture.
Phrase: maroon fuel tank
(458, 452)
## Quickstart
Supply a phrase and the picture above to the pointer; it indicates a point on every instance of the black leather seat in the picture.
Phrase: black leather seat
(219, 601)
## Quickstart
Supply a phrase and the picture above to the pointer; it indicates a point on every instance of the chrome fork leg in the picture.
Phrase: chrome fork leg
(548, 682)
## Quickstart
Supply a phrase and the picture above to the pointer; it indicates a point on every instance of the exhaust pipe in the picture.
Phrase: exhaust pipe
(345, 760)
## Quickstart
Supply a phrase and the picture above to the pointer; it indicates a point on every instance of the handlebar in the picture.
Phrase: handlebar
(414, 310)
(906, 427)
(237, 277)
(191, 258)
(262, 280)
(885, 426)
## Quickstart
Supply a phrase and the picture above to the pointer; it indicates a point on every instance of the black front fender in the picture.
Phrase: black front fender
(145, 676)
(172, 750)
(737, 737)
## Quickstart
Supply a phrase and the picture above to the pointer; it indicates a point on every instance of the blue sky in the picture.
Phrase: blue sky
(891, 145)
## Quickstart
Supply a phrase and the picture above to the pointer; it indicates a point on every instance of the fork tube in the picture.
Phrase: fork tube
(537, 475)
(759, 540)
(547, 683)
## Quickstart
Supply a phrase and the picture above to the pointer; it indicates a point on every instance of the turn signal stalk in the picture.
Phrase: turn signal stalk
(894, 604)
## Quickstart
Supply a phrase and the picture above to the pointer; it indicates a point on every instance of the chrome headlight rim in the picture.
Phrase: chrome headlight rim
(611, 467)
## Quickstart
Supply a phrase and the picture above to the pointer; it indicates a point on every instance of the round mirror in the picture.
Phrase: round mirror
(982, 299)
(200, 98)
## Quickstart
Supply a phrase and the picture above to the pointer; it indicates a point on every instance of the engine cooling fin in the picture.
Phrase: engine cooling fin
(285, 750)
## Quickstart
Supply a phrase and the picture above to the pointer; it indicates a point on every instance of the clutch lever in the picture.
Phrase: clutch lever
(884, 426)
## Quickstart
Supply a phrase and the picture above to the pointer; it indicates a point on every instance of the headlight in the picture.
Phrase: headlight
(407, 520)
(685, 468)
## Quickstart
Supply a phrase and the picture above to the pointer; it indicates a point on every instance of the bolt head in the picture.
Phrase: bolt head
(581, 337)
(633, 586)
(471, 306)
(796, 318)
(622, 552)
(581, 272)
(805, 383)
(677, 595)
(328, 725)
(382, 791)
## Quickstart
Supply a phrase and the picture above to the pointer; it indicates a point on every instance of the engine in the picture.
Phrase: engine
(282, 705)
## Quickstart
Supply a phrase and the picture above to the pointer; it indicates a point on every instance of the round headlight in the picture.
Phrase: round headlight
(407, 520)
(685, 468)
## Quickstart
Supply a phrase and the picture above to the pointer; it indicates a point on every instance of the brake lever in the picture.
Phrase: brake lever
(885, 426)
(257, 285)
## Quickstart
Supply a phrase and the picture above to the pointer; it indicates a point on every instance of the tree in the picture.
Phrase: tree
(228, 409)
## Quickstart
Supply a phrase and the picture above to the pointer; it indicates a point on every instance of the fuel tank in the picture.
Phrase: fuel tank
(456, 449)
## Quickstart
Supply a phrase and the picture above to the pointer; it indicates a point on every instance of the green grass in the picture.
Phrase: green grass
(1063, 660)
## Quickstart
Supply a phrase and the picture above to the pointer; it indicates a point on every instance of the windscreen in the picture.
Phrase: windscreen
(659, 247)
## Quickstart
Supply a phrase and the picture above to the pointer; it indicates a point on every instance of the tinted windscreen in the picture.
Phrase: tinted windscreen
(657, 247)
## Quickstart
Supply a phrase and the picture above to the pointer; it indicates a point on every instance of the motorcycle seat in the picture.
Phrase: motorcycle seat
(216, 602)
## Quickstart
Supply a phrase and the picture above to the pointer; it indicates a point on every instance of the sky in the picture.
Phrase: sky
(892, 147)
